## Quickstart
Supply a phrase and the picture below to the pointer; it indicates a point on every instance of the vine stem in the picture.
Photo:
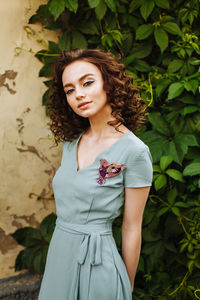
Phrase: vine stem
(187, 275)
(160, 199)
(116, 42)
(195, 293)
(117, 21)
(151, 90)
(184, 229)
(101, 29)
(34, 52)
(38, 197)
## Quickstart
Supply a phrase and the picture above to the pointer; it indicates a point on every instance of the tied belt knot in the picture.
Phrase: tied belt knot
(91, 248)
(91, 243)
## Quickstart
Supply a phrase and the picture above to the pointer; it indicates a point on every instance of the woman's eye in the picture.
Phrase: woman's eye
(69, 92)
(88, 83)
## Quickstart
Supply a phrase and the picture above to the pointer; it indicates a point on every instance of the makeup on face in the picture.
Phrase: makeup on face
(69, 87)
(84, 88)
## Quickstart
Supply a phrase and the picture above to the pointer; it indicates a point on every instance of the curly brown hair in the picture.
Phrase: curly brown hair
(125, 101)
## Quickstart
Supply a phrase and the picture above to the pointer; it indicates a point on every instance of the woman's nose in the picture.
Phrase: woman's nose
(79, 93)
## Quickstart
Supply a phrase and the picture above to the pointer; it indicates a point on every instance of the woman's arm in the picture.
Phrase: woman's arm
(135, 200)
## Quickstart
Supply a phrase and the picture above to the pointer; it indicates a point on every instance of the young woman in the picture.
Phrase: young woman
(94, 108)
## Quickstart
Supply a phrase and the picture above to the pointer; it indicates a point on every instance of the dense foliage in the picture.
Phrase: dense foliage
(158, 41)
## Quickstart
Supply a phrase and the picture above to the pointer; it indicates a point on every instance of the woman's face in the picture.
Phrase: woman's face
(83, 86)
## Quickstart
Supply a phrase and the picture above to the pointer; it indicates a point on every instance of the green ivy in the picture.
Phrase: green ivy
(158, 41)
(36, 242)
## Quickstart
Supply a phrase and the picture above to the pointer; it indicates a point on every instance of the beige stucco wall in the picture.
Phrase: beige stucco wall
(27, 157)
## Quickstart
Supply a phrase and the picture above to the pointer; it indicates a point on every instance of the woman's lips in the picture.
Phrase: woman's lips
(84, 105)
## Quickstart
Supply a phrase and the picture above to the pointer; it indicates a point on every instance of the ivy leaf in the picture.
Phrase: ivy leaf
(45, 97)
(178, 147)
(72, 5)
(162, 3)
(146, 8)
(161, 38)
(44, 256)
(176, 211)
(116, 34)
(175, 174)
(37, 262)
(48, 83)
(175, 65)
(171, 195)
(142, 66)
(46, 70)
(182, 204)
(100, 10)
(149, 236)
(159, 123)
(175, 89)
(65, 41)
(165, 161)
(78, 40)
(29, 255)
(93, 3)
(27, 236)
(162, 211)
(53, 48)
(154, 250)
(56, 7)
(47, 226)
(156, 168)
(160, 182)
(161, 86)
(172, 28)
(111, 4)
(132, 22)
(88, 27)
(25, 258)
(142, 50)
(134, 5)
(129, 59)
(189, 109)
(40, 55)
(144, 31)
(107, 39)
(42, 14)
(156, 143)
(191, 86)
(188, 99)
(192, 169)
(127, 42)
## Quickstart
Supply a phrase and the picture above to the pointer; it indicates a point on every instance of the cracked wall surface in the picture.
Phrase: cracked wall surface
(28, 157)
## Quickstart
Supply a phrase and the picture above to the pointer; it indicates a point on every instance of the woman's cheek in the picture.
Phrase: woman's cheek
(95, 90)
(70, 103)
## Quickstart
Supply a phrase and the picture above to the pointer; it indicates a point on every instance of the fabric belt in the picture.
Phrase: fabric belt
(91, 245)
(90, 255)
(92, 241)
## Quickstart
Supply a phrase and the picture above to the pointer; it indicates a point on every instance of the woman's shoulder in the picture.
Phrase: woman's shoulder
(135, 151)
(133, 144)
(69, 145)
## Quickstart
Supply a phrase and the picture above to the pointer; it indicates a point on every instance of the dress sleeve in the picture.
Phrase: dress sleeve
(139, 171)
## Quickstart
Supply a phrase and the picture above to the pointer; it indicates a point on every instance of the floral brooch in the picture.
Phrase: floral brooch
(107, 170)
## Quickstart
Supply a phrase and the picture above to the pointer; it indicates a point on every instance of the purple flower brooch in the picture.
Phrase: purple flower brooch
(107, 170)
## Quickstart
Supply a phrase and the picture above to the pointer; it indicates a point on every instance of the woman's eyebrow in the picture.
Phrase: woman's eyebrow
(81, 78)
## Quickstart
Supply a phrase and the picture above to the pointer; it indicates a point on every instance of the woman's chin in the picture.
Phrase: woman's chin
(85, 114)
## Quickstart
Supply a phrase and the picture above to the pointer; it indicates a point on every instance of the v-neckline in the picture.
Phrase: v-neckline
(106, 149)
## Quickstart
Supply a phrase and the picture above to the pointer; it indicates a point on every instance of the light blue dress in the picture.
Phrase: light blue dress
(83, 262)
